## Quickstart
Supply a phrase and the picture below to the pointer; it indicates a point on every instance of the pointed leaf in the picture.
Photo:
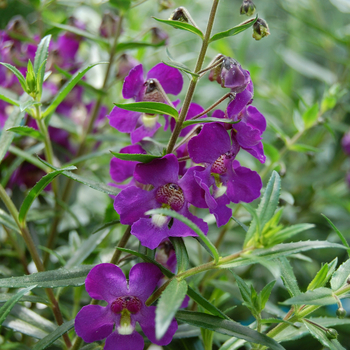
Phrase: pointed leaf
(137, 45)
(265, 294)
(288, 277)
(227, 327)
(320, 279)
(28, 131)
(310, 116)
(341, 276)
(181, 67)
(27, 104)
(41, 53)
(287, 233)
(7, 220)
(66, 88)
(209, 120)
(181, 25)
(6, 308)
(150, 108)
(169, 302)
(182, 260)
(319, 296)
(9, 96)
(299, 147)
(235, 30)
(143, 158)
(17, 73)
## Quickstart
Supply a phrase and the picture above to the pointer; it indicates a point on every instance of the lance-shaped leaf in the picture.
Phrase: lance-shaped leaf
(169, 302)
(143, 158)
(235, 30)
(181, 25)
(66, 88)
(41, 53)
(227, 327)
(17, 73)
(7, 220)
(181, 67)
(49, 279)
(58, 332)
(28, 131)
(190, 224)
(310, 116)
(182, 260)
(209, 120)
(341, 276)
(288, 277)
(7, 307)
(319, 296)
(9, 96)
(137, 45)
(36, 190)
(150, 108)
(323, 275)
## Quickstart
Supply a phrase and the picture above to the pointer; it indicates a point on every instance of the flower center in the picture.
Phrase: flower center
(129, 303)
(219, 166)
(171, 195)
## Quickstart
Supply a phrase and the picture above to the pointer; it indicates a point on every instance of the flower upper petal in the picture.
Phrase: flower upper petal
(170, 78)
(106, 282)
(133, 82)
(93, 323)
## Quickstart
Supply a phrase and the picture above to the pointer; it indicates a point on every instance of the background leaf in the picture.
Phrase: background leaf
(143, 158)
(181, 25)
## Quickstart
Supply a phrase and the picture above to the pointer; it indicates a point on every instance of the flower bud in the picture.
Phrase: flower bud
(341, 313)
(247, 8)
(124, 64)
(332, 333)
(159, 35)
(18, 26)
(109, 25)
(31, 80)
(179, 15)
(260, 29)
(165, 5)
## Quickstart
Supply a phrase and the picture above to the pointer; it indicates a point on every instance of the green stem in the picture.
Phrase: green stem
(193, 83)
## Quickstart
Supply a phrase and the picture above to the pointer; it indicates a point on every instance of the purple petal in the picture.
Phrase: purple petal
(193, 110)
(257, 151)
(148, 326)
(245, 185)
(123, 120)
(133, 82)
(158, 172)
(148, 233)
(185, 302)
(210, 144)
(222, 213)
(143, 279)
(170, 78)
(247, 136)
(132, 203)
(255, 118)
(116, 341)
(241, 100)
(141, 132)
(93, 323)
(106, 282)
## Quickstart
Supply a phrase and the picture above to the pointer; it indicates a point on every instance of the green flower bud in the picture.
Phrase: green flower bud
(341, 313)
(332, 333)
(247, 8)
(165, 5)
(31, 80)
(260, 29)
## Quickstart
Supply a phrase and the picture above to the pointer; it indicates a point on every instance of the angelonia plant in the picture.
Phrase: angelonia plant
(155, 270)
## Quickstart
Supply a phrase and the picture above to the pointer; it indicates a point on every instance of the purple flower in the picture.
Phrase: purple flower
(167, 192)
(230, 181)
(125, 307)
(345, 142)
(160, 80)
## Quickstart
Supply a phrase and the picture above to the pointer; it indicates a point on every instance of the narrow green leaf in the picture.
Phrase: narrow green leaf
(17, 73)
(235, 30)
(49, 279)
(190, 224)
(287, 233)
(6, 137)
(58, 332)
(143, 158)
(209, 120)
(319, 296)
(66, 88)
(310, 116)
(123, 5)
(132, 45)
(299, 147)
(321, 336)
(7, 307)
(27, 155)
(31, 298)
(340, 235)
(36, 190)
(7, 220)
(181, 25)
(265, 294)
(200, 300)
(244, 289)
(41, 53)
(28, 131)
(320, 279)
(288, 277)
(169, 302)
(341, 275)
(181, 254)
(181, 67)
(27, 104)
(150, 108)
(9, 96)
(108, 224)
(267, 206)
(227, 327)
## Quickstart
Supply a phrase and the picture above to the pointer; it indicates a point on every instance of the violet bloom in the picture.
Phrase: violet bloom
(230, 181)
(167, 192)
(125, 307)
(345, 142)
(160, 80)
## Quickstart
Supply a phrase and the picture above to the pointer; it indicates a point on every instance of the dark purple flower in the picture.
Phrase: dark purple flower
(161, 79)
(230, 181)
(125, 307)
(167, 192)
(345, 142)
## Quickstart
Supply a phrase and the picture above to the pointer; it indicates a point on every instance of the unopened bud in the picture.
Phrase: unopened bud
(109, 24)
(260, 29)
(180, 14)
(31, 80)
(332, 333)
(159, 36)
(165, 5)
(341, 313)
(247, 8)
(124, 64)
(18, 26)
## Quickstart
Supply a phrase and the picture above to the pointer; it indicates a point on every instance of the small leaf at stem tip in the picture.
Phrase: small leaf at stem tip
(208, 120)
(41, 53)
(150, 108)
(27, 131)
(181, 25)
(143, 158)
(235, 30)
